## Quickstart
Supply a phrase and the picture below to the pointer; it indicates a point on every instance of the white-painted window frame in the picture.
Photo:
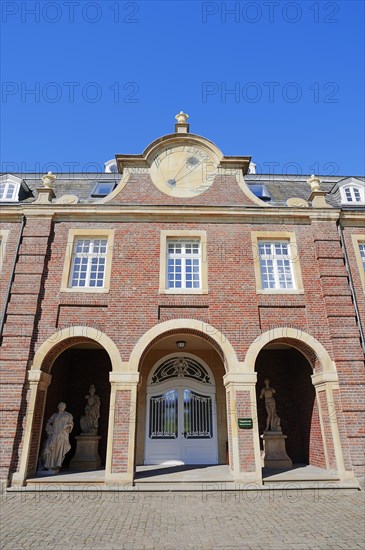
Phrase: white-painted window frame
(279, 263)
(352, 194)
(92, 259)
(187, 263)
(5, 186)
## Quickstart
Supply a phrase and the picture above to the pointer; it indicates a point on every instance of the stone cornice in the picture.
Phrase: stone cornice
(200, 214)
(352, 217)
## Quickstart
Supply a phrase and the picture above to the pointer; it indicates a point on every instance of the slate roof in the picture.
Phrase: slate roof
(283, 187)
(279, 187)
(81, 185)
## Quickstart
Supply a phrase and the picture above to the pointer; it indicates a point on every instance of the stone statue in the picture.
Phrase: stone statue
(89, 422)
(58, 428)
(273, 420)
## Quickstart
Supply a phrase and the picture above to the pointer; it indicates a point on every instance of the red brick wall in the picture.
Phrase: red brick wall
(38, 309)
(316, 448)
(21, 326)
(341, 423)
(121, 431)
(328, 416)
(140, 190)
(354, 267)
(232, 305)
(350, 359)
(229, 430)
(37, 431)
(245, 437)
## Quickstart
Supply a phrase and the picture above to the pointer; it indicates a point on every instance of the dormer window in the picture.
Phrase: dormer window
(103, 188)
(9, 188)
(260, 191)
(352, 194)
(111, 166)
(8, 191)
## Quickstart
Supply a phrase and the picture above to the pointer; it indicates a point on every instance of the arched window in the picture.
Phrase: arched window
(9, 189)
(352, 194)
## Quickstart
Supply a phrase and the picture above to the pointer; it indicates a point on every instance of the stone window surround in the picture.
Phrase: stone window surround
(86, 233)
(356, 241)
(183, 234)
(288, 236)
(4, 234)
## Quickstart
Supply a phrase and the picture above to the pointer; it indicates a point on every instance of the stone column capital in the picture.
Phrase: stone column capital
(39, 377)
(124, 378)
(240, 379)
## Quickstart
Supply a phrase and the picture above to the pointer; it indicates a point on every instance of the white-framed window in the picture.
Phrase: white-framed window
(183, 264)
(88, 260)
(183, 261)
(88, 263)
(276, 265)
(10, 187)
(352, 194)
(9, 191)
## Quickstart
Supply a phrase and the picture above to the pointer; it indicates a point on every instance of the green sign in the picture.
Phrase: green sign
(245, 423)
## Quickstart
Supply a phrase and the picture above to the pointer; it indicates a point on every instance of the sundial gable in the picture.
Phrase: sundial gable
(182, 168)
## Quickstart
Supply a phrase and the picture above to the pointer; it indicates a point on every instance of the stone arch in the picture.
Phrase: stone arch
(189, 326)
(313, 350)
(39, 378)
(48, 352)
(325, 382)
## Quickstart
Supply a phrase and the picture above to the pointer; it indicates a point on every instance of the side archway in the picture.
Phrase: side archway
(39, 379)
(304, 342)
(329, 440)
(60, 340)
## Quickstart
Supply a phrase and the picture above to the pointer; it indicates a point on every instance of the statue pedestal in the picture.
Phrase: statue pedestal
(87, 455)
(275, 452)
(45, 473)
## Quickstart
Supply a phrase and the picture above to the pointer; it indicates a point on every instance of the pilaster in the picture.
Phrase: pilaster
(244, 444)
(120, 457)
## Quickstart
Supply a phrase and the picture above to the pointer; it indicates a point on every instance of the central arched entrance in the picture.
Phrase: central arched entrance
(181, 424)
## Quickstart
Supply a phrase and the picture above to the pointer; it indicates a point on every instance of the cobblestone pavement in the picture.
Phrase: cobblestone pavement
(300, 519)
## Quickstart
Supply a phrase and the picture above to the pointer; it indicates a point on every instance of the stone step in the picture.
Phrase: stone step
(203, 487)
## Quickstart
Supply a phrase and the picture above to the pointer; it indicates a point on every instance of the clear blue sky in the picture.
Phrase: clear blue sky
(108, 77)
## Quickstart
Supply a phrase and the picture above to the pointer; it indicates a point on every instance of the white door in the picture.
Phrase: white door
(181, 422)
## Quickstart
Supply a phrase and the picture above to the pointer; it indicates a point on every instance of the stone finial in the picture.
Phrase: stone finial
(317, 196)
(181, 117)
(48, 180)
(314, 183)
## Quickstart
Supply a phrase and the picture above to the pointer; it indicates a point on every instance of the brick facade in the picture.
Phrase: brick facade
(37, 310)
